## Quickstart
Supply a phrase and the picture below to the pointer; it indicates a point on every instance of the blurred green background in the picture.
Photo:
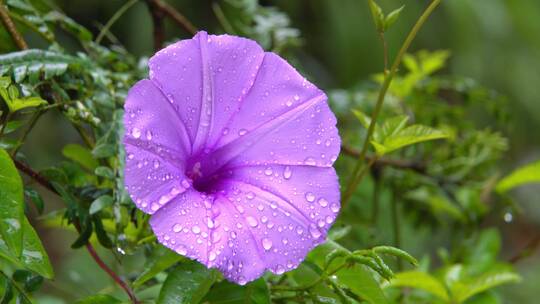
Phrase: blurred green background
(495, 42)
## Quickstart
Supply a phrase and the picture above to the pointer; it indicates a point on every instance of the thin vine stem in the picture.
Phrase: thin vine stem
(114, 18)
(10, 26)
(356, 177)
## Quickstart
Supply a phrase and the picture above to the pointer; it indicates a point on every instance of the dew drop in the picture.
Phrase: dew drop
(323, 202)
(242, 132)
(181, 249)
(251, 221)
(314, 231)
(196, 229)
(335, 208)
(211, 256)
(296, 97)
(280, 269)
(156, 164)
(288, 103)
(268, 171)
(149, 135)
(267, 244)
(225, 131)
(177, 228)
(242, 281)
(310, 161)
(136, 132)
(287, 173)
(310, 197)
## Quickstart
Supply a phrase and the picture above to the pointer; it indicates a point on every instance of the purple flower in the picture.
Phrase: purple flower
(231, 151)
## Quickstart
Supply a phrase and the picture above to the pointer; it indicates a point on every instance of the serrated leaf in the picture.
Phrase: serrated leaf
(225, 292)
(186, 283)
(419, 280)
(11, 205)
(36, 63)
(80, 155)
(527, 174)
(392, 17)
(463, 290)
(162, 258)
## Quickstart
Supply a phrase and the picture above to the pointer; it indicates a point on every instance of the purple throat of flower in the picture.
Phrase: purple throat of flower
(231, 152)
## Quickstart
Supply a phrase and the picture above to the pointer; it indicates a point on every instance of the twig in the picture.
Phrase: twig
(45, 183)
(172, 13)
(396, 163)
(113, 19)
(529, 249)
(158, 25)
(10, 26)
(356, 177)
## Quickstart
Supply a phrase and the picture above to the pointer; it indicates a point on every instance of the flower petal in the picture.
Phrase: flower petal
(182, 225)
(271, 217)
(154, 170)
(216, 73)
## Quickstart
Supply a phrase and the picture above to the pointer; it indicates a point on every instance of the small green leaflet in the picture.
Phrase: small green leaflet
(419, 280)
(187, 283)
(527, 174)
(393, 134)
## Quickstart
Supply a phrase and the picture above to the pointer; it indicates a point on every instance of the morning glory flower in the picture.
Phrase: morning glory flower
(231, 150)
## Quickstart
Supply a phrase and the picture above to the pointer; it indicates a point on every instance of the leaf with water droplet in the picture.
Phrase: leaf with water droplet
(11, 204)
(187, 283)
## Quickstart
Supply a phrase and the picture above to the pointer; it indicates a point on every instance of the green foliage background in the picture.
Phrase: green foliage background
(469, 82)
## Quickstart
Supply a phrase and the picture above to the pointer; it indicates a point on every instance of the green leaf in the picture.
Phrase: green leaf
(99, 299)
(36, 64)
(11, 205)
(13, 125)
(527, 174)
(419, 280)
(99, 203)
(161, 259)
(255, 292)
(17, 104)
(186, 283)
(392, 17)
(80, 155)
(465, 289)
(363, 118)
(410, 135)
(35, 198)
(104, 172)
(361, 282)
(33, 256)
(377, 14)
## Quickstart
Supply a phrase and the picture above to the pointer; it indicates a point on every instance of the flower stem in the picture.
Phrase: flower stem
(356, 177)
(10, 26)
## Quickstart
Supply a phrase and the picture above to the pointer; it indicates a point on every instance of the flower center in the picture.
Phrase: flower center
(202, 181)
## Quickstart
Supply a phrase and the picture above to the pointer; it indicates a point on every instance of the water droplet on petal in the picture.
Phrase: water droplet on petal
(335, 208)
(323, 202)
(280, 269)
(242, 132)
(177, 228)
(310, 161)
(136, 132)
(156, 164)
(296, 97)
(196, 229)
(149, 135)
(314, 231)
(268, 171)
(310, 197)
(267, 244)
(181, 249)
(251, 221)
(287, 173)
